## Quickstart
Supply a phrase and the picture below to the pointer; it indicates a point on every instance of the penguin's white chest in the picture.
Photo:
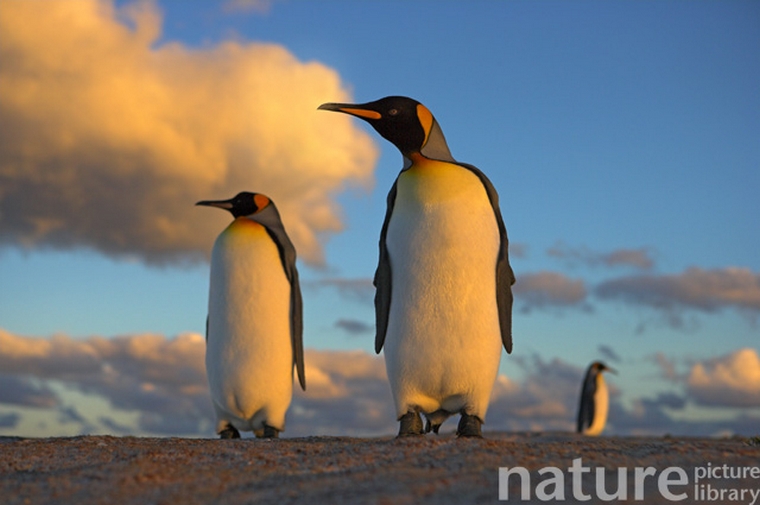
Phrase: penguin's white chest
(443, 343)
(601, 407)
(249, 359)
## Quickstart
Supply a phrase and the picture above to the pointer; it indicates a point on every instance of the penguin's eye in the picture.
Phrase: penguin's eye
(393, 112)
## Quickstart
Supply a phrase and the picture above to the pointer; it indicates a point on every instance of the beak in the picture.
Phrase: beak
(221, 204)
(358, 110)
(610, 370)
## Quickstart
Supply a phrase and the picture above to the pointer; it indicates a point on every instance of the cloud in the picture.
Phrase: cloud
(155, 385)
(354, 327)
(728, 381)
(518, 250)
(9, 420)
(694, 289)
(109, 138)
(637, 258)
(661, 415)
(114, 426)
(609, 353)
(649, 416)
(24, 392)
(70, 415)
(348, 394)
(255, 6)
(548, 289)
(162, 379)
(546, 399)
(667, 367)
(671, 401)
(360, 289)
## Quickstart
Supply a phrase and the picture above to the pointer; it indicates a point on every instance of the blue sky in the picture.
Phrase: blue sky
(622, 138)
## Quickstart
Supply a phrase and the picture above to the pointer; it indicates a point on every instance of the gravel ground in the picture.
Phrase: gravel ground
(343, 470)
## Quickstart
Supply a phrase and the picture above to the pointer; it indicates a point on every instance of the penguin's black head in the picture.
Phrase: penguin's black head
(242, 204)
(599, 367)
(404, 122)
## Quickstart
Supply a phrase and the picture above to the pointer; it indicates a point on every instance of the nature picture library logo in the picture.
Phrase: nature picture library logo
(709, 483)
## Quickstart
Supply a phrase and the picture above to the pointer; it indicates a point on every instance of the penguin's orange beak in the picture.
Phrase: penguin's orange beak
(350, 108)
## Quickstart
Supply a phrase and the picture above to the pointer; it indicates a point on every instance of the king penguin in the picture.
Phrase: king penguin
(595, 399)
(254, 327)
(443, 299)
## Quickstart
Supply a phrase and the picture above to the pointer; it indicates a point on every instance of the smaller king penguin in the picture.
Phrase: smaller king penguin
(595, 399)
(254, 330)
(443, 299)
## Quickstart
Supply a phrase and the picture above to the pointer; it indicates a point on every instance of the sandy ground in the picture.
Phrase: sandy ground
(342, 470)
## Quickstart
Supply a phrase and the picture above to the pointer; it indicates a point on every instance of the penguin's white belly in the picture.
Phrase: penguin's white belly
(443, 344)
(249, 360)
(601, 406)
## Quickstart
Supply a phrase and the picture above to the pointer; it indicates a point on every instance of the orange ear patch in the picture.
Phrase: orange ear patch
(426, 120)
(261, 201)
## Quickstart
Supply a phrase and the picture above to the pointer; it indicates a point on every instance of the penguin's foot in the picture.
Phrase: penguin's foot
(229, 432)
(432, 427)
(267, 432)
(410, 425)
(270, 432)
(469, 426)
(434, 420)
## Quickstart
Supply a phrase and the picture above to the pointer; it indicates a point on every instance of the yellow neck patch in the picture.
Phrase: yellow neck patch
(244, 226)
(430, 181)
(426, 120)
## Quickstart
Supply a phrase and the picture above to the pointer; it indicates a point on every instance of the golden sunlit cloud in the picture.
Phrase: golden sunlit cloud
(109, 138)
(729, 381)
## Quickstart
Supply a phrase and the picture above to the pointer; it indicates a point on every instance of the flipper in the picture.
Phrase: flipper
(382, 279)
(505, 277)
(270, 218)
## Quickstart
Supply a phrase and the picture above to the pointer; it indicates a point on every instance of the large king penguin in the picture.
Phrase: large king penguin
(443, 299)
(595, 399)
(254, 327)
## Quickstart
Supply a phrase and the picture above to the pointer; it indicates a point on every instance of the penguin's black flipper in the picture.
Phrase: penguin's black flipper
(505, 277)
(382, 279)
(586, 409)
(269, 217)
(296, 310)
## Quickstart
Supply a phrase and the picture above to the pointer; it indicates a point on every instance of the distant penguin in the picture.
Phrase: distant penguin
(443, 298)
(595, 399)
(254, 327)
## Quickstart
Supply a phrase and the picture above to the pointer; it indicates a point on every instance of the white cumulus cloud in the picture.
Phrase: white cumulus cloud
(109, 137)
